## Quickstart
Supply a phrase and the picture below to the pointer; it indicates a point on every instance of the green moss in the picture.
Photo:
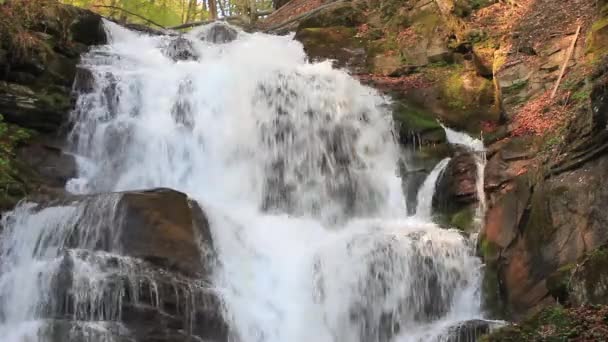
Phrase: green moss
(425, 22)
(558, 283)
(12, 187)
(463, 219)
(488, 250)
(581, 95)
(597, 39)
(539, 227)
(516, 86)
(414, 119)
(554, 323)
(453, 90)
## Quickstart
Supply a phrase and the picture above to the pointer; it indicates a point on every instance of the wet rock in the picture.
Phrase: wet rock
(49, 162)
(84, 81)
(469, 331)
(152, 254)
(180, 49)
(45, 112)
(458, 182)
(562, 221)
(165, 227)
(88, 29)
(220, 33)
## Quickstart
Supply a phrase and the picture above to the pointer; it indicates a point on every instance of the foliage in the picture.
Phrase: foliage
(557, 323)
(10, 137)
(16, 18)
(169, 12)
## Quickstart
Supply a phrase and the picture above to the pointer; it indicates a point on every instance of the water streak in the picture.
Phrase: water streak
(424, 207)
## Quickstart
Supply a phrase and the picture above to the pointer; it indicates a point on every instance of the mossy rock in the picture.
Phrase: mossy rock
(337, 43)
(414, 120)
(558, 283)
(345, 14)
(539, 227)
(463, 219)
(597, 40)
(589, 283)
(467, 99)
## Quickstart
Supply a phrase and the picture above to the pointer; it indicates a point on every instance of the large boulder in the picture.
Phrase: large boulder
(219, 33)
(339, 44)
(152, 255)
(180, 49)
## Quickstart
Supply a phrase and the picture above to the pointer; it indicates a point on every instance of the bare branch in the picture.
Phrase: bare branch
(131, 13)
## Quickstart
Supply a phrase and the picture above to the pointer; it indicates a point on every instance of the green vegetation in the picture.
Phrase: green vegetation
(15, 21)
(516, 86)
(169, 12)
(414, 119)
(11, 186)
(557, 323)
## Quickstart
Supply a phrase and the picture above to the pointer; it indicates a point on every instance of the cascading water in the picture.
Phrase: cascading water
(295, 165)
(476, 147)
(424, 206)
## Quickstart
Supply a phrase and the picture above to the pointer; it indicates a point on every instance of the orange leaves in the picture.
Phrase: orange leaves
(538, 116)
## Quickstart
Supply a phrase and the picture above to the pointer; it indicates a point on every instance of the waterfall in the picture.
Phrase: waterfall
(295, 164)
(476, 147)
(424, 207)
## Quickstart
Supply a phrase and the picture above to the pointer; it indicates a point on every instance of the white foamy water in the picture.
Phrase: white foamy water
(424, 208)
(296, 166)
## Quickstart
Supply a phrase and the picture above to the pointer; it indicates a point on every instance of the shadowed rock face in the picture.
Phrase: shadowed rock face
(219, 34)
(180, 49)
(132, 266)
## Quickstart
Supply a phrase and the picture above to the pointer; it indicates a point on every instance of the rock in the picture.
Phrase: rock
(563, 221)
(45, 112)
(164, 226)
(87, 28)
(155, 254)
(588, 281)
(438, 52)
(458, 182)
(180, 49)
(483, 59)
(49, 162)
(345, 14)
(84, 81)
(335, 43)
(468, 331)
(219, 33)
(386, 64)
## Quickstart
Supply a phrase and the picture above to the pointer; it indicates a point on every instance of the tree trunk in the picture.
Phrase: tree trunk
(213, 9)
(252, 11)
(221, 6)
(191, 11)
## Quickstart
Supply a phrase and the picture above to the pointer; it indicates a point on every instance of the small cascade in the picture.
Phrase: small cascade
(476, 147)
(424, 207)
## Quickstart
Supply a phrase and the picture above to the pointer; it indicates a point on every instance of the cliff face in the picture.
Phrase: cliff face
(489, 67)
